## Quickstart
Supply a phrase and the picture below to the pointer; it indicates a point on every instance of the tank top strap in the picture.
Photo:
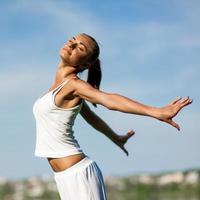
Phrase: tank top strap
(61, 86)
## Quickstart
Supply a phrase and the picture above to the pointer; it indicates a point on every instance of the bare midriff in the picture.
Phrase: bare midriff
(60, 164)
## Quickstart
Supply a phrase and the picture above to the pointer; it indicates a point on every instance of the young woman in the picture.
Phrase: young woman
(77, 176)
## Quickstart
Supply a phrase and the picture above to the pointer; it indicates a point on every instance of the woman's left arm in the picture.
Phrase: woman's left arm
(121, 103)
(96, 122)
(165, 113)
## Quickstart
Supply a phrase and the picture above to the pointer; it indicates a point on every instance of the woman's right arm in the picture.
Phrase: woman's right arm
(121, 103)
(100, 125)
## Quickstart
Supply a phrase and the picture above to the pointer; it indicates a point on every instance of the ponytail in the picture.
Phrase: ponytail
(94, 75)
(94, 68)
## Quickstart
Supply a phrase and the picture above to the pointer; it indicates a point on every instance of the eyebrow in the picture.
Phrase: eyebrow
(81, 43)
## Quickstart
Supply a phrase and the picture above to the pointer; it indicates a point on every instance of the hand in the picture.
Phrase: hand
(166, 113)
(122, 139)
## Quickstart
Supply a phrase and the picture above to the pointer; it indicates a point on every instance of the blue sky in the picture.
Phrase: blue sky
(149, 52)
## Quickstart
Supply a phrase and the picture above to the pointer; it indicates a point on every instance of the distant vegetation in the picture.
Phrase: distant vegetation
(167, 186)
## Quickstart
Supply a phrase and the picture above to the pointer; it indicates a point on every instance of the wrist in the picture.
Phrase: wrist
(115, 136)
(153, 112)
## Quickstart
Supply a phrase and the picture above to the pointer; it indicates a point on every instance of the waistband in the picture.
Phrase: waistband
(82, 164)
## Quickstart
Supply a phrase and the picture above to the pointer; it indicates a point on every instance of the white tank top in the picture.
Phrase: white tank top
(54, 134)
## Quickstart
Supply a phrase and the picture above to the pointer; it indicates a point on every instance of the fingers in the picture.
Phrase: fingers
(185, 102)
(126, 152)
(174, 124)
(178, 104)
(126, 137)
(130, 133)
(182, 101)
(123, 148)
(176, 100)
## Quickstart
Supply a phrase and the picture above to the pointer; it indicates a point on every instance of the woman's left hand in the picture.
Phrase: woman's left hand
(167, 113)
(122, 139)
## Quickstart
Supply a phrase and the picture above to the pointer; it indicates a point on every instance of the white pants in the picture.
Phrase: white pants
(81, 181)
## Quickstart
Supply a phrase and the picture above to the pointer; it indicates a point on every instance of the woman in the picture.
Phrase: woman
(77, 176)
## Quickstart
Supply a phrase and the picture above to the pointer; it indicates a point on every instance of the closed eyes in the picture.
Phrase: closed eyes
(81, 49)
(79, 44)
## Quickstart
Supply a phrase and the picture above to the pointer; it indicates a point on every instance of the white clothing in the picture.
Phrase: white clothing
(54, 134)
(81, 181)
(54, 138)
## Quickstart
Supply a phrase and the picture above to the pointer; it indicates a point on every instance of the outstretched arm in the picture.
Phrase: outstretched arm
(96, 122)
(123, 104)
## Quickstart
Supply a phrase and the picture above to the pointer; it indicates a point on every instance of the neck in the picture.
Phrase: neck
(64, 71)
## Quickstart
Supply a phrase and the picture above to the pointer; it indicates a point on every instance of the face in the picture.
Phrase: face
(77, 50)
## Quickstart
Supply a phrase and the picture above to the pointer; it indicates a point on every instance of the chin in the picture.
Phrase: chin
(63, 58)
(63, 55)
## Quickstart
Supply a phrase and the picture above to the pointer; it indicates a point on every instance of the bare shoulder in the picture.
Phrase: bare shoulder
(85, 91)
(79, 85)
(72, 84)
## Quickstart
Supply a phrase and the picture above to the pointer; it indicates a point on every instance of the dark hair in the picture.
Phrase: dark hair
(94, 75)
(94, 71)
